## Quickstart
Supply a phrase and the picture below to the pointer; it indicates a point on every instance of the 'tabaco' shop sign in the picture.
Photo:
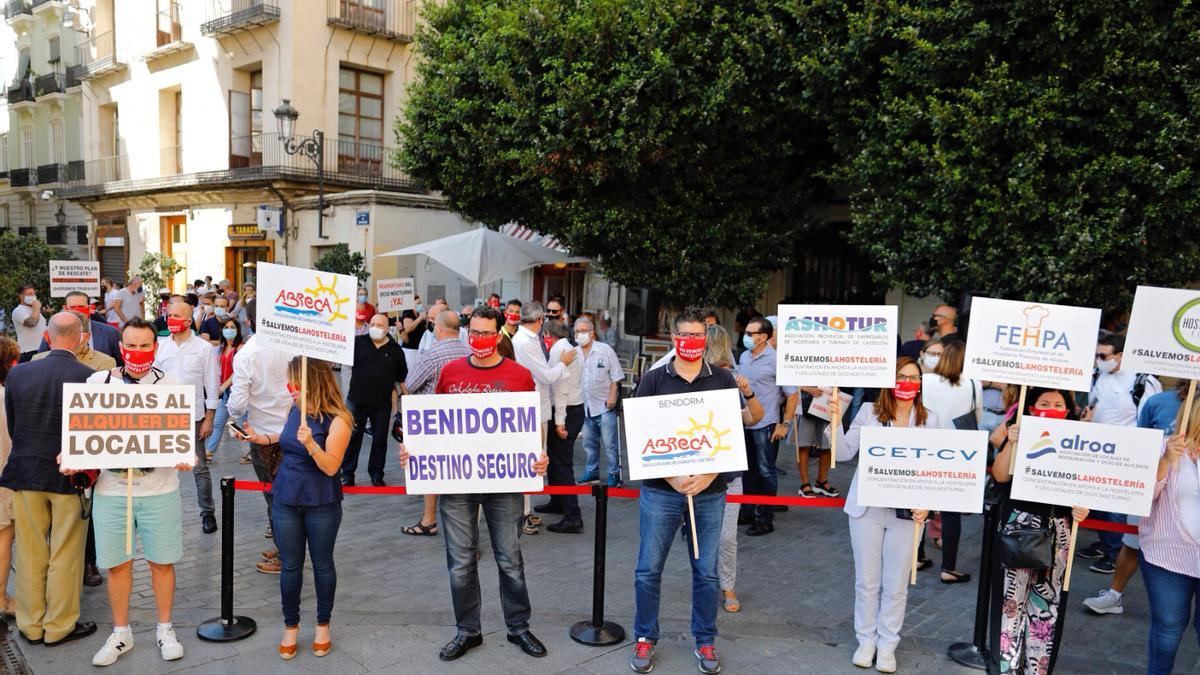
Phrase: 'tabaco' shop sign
(836, 345)
(1035, 344)
(306, 312)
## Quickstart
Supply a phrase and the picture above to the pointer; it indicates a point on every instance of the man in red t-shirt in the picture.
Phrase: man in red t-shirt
(485, 371)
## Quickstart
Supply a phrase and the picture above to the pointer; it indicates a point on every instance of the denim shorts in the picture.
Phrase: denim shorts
(157, 523)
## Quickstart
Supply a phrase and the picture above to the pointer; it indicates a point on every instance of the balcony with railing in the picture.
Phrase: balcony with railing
(231, 16)
(50, 83)
(73, 77)
(18, 10)
(21, 91)
(48, 174)
(168, 33)
(98, 56)
(392, 19)
(20, 178)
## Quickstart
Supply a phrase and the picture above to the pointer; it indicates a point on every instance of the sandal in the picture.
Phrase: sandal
(244, 459)
(956, 577)
(924, 562)
(732, 605)
(528, 527)
(534, 520)
(421, 529)
(806, 491)
(824, 488)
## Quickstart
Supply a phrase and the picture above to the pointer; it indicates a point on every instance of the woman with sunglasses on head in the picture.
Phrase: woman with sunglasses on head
(1027, 617)
(881, 537)
(229, 342)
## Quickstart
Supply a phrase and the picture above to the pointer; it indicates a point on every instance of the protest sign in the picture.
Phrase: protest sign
(1033, 344)
(1164, 338)
(684, 434)
(917, 468)
(68, 276)
(306, 312)
(395, 295)
(1099, 466)
(819, 407)
(120, 426)
(836, 345)
(469, 443)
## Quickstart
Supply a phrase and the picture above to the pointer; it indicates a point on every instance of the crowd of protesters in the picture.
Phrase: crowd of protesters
(204, 337)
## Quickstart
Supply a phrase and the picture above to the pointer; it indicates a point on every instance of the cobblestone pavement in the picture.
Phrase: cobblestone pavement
(393, 609)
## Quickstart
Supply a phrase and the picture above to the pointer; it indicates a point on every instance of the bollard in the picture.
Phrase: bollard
(974, 654)
(597, 632)
(227, 627)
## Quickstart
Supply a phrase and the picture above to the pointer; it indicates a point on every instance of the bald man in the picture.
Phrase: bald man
(50, 533)
(191, 359)
(944, 323)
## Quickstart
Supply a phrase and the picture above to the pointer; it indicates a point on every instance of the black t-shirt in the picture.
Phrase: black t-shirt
(414, 336)
(376, 372)
(665, 381)
(212, 327)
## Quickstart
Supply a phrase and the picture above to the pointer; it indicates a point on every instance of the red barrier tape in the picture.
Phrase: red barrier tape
(628, 493)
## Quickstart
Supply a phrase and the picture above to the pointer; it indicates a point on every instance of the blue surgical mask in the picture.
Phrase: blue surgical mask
(747, 342)
(229, 333)
(221, 312)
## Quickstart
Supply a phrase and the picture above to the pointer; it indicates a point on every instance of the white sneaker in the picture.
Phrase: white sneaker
(885, 661)
(114, 647)
(864, 656)
(1106, 602)
(169, 645)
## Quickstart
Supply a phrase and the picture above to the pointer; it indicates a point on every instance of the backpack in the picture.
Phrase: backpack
(1137, 391)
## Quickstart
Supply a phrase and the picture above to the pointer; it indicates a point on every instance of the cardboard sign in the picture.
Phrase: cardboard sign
(395, 295)
(1032, 343)
(1100, 466)
(915, 468)
(469, 443)
(69, 276)
(819, 407)
(121, 426)
(305, 312)
(1164, 333)
(836, 345)
(684, 434)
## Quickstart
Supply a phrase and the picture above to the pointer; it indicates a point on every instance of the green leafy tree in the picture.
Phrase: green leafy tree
(156, 270)
(1025, 149)
(26, 260)
(339, 259)
(672, 141)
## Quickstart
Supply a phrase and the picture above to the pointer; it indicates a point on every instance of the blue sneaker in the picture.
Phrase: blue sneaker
(615, 481)
(588, 479)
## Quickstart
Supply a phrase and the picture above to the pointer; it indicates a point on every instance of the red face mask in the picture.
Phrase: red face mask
(137, 363)
(1052, 413)
(906, 391)
(549, 340)
(494, 303)
(483, 347)
(512, 318)
(690, 348)
(83, 312)
(362, 315)
(176, 325)
(294, 391)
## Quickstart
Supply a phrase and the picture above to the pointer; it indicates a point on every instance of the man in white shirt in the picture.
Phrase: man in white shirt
(109, 291)
(128, 302)
(567, 395)
(191, 359)
(259, 390)
(28, 322)
(602, 375)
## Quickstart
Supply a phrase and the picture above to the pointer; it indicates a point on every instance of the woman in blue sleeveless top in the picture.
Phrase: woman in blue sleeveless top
(307, 498)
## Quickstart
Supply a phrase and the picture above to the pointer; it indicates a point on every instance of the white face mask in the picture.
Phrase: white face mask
(377, 333)
(582, 339)
(1106, 366)
(30, 299)
(931, 361)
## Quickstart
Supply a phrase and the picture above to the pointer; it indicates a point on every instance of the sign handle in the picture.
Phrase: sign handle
(912, 577)
(303, 389)
(129, 511)
(692, 523)
(836, 423)
(1187, 408)
(1012, 454)
(1070, 556)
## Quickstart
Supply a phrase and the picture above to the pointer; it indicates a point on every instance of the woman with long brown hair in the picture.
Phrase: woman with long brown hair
(882, 538)
(306, 494)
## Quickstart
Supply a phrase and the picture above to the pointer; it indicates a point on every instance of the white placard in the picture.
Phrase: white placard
(68, 276)
(1101, 466)
(395, 295)
(471, 443)
(684, 434)
(1164, 333)
(819, 407)
(1032, 343)
(306, 312)
(916, 468)
(121, 426)
(836, 345)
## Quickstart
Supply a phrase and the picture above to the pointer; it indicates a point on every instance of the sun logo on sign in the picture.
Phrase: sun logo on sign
(335, 299)
(706, 429)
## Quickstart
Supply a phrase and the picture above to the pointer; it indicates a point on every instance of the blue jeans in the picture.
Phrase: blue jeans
(219, 421)
(318, 527)
(760, 477)
(460, 523)
(597, 429)
(1174, 599)
(663, 513)
(1110, 542)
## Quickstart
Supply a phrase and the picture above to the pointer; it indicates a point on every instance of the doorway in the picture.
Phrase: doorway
(173, 240)
(241, 262)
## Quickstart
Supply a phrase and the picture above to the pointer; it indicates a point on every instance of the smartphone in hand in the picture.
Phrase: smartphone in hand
(241, 433)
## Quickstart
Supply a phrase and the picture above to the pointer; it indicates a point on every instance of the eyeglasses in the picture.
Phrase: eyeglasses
(687, 336)
(756, 332)
(1104, 357)
(482, 333)
(908, 378)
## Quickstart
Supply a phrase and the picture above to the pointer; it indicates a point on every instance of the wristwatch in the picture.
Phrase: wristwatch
(748, 396)
(786, 423)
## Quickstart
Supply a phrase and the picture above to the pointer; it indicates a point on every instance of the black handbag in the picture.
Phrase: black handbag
(968, 422)
(1025, 547)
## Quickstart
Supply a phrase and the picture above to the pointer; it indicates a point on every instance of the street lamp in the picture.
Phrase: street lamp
(60, 216)
(312, 148)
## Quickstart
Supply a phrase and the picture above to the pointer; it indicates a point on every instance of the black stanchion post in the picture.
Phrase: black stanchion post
(227, 627)
(597, 632)
(974, 654)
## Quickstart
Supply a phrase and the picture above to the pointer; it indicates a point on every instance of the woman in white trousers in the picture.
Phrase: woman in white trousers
(881, 538)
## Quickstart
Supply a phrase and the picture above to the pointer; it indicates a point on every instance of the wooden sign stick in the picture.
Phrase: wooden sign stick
(303, 389)
(129, 511)
(1012, 454)
(836, 423)
(692, 523)
(1187, 408)
(1070, 556)
(912, 579)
